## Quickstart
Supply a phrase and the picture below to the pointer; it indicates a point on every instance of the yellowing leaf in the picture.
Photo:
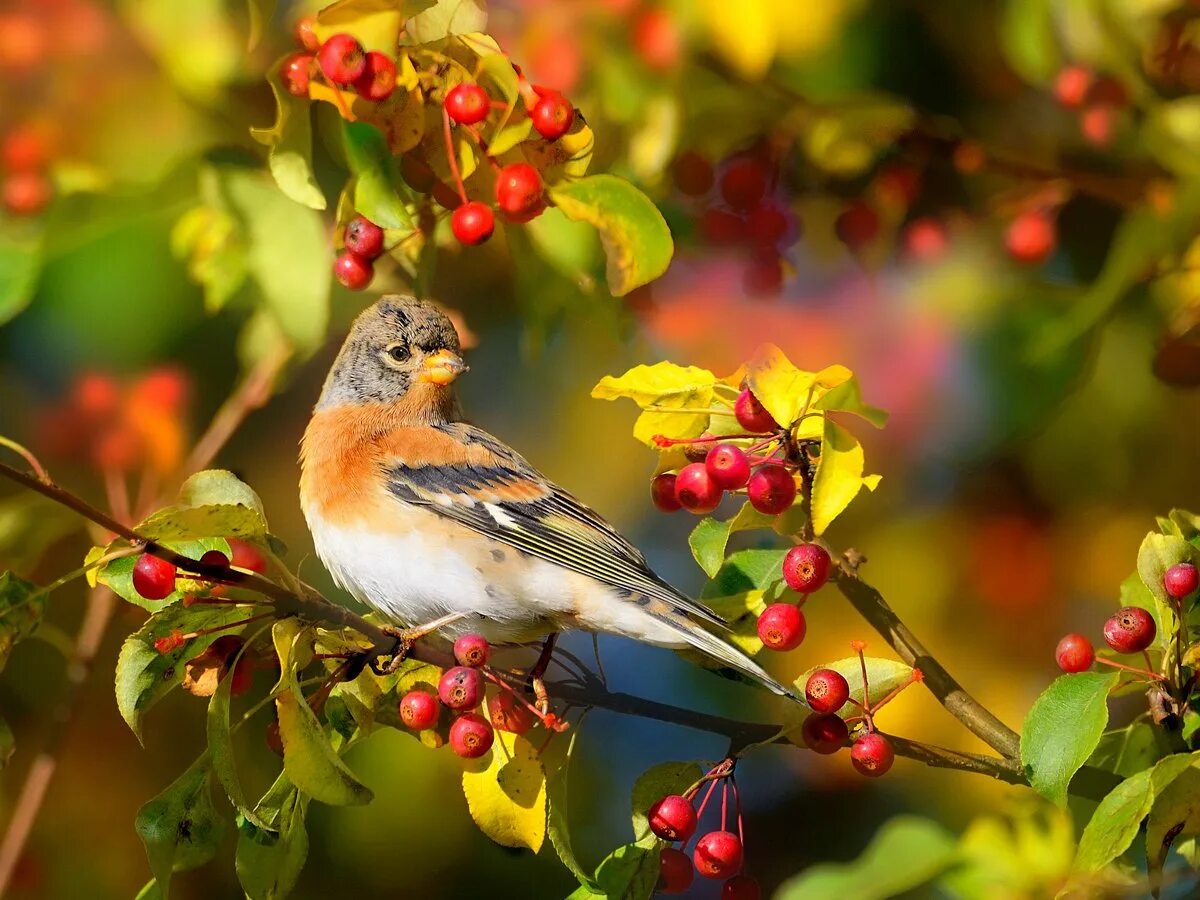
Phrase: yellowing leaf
(290, 140)
(784, 389)
(839, 475)
(376, 23)
(743, 34)
(507, 793)
(663, 386)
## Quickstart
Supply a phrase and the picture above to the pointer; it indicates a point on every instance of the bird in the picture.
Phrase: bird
(431, 521)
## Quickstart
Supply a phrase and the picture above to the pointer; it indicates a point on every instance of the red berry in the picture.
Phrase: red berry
(1180, 580)
(743, 184)
(509, 714)
(696, 490)
(552, 115)
(826, 690)
(215, 558)
(752, 415)
(1071, 86)
(925, 240)
(467, 104)
(857, 225)
(898, 184)
(342, 59)
(378, 79)
(26, 193)
(471, 736)
(1130, 630)
(657, 39)
(662, 493)
(1031, 238)
(461, 688)
(519, 191)
(153, 578)
(472, 650)
(693, 173)
(472, 223)
(673, 818)
(767, 225)
(363, 238)
(296, 73)
(720, 227)
(418, 710)
(806, 567)
(728, 466)
(1074, 653)
(771, 489)
(247, 556)
(718, 854)
(872, 755)
(825, 734)
(306, 35)
(24, 149)
(95, 396)
(675, 872)
(1107, 91)
(165, 389)
(1097, 124)
(741, 887)
(353, 271)
(781, 626)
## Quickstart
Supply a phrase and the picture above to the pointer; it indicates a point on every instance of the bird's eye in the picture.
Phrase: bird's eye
(398, 352)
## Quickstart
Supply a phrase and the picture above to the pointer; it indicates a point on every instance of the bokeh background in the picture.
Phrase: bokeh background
(1042, 415)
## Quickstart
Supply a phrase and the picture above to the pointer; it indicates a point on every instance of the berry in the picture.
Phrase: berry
(872, 755)
(215, 558)
(1071, 86)
(461, 688)
(728, 466)
(153, 578)
(718, 854)
(1180, 580)
(471, 736)
(662, 493)
(857, 225)
(163, 389)
(826, 691)
(552, 115)
(353, 271)
(342, 59)
(1031, 238)
(24, 149)
(695, 489)
(720, 227)
(767, 225)
(472, 223)
(1097, 124)
(418, 710)
(26, 193)
(363, 238)
(296, 73)
(675, 872)
(378, 79)
(656, 39)
(95, 396)
(806, 567)
(472, 650)
(672, 818)
(925, 240)
(1074, 653)
(771, 489)
(693, 174)
(247, 556)
(741, 887)
(752, 415)
(1130, 630)
(898, 184)
(825, 734)
(306, 35)
(509, 714)
(781, 627)
(743, 184)
(467, 104)
(519, 191)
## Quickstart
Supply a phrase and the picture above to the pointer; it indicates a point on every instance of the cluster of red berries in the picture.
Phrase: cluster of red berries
(342, 61)
(718, 854)
(24, 157)
(362, 244)
(1098, 99)
(1130, 629)
(154, 578)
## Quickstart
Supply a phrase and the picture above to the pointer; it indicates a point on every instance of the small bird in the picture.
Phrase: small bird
(428, 519)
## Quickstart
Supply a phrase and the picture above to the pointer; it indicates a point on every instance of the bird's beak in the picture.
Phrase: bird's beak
(442, 368)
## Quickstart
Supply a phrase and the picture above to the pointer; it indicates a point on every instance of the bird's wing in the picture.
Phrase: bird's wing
(465, 474)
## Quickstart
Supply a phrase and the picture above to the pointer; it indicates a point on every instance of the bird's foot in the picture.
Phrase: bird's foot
(405, 638)
(535, 682)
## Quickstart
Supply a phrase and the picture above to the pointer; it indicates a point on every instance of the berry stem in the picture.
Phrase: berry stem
(737, 805)
(724, 802)
(204, 632)
(24, 453)
(451, 156)
(712, 786)
(1116, 665)
(895, 692)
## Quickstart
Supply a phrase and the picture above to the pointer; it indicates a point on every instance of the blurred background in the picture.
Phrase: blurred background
(986, 210)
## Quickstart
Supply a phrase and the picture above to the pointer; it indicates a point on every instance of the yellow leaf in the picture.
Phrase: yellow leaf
(658, 390)
(744, 34)
(779, 386)
(507, 793)
(839, 475)
(376, 23)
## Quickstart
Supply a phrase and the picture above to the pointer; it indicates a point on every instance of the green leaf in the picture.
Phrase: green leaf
(212, 504)
(634, 234)
(21, 611)
(506, 793)
(1117, 819)
(1127, 750)
(654, 784)
(145, 676)
(1027, 36)
(1174, 816)
(117, 575)
(289, 140)
(444, 18)
(20, 264)
(211, 242)
(269, 861)
(839, 475)
(571, 248)
(746, 570)
(558, 824)
(220, 743)
(629, 872)
(1063, 728)
(376, 183)
(847, 397)
(660, 390)
(710, 537)
(1158, 553)
(309, 759)
(906, 853)
(883, 676)
(180, 828)
(29, 525)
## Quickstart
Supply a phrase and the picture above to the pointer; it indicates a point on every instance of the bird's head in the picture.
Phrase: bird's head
(399, 350)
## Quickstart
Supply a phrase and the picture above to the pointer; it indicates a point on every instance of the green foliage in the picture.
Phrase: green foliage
(710, 537)
(883, 677)
(21, 610)
(180, 827)
(1062, 729)
(289, 158)
(269, 860)
(220, 744)
(20, 262)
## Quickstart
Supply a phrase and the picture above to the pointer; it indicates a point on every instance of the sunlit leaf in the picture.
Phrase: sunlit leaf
(785, 390)
(444, 18)
(1174, 816)
(847, 397)
(743, 34)
(180, 828)
(1063, 728)
(883, 676)
(220, 744)
(377, 182)
(269, 861)
(710, 537)
(21, 611)
(290, 143)
(839, 475)
(506, 793)
(663, 386)
(20, 264)
(376, 23)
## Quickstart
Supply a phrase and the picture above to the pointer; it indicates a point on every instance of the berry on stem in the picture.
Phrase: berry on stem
(826, 690)
(806, 567)
(26, 193)
(825, 734)
(728, 466)
(378, 79)
(1074, 653)
(461, 687)
(247, 556)
(1180, 580)
(215, 558)
(718, 854)
(1130, 630)
(472, 223)
(1071, 86)
(519, 192)
(857, 225)
(771, 489)
(296, 73)
(752, 415)
(342, 59)
(872, 755)
(471, 736)
(673, 818)
(363, 238)
(781, 626)
(153, 578)
(552, 115)
(353, 271)
(509, 714)
(741, 887)
(696, 490)
(662, 493)
(467, 104)
(472, 650)
(1031, 238)
(418, 710)
(675, 872)
(743, 184)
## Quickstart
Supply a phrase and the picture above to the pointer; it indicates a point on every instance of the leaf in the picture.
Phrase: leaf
(558, 825)
(309, 759)
(145, 676)
(655, 783)
(290, 148)
(633, 232)
(847, 397)
(906, 853)
(21, 610)
(29, 525)
(506, 793)
(376, 23)
(20, 264)
(1127, 750)
(220, 743)
(710, 537)
(117, 575)
(180, 828)
(744, 35)
(630, 872)
(839, 476)
(1027, 36)
(269, 862)
(1174, 816)
(444, 18)
(260, 12)
(1158, 553)
(1062, 729)
(210, 241)
(571, 248)
(663, 385)
(883, 676)
(375, 186)
(785, 390)
(1117, 819)
(746, 570)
